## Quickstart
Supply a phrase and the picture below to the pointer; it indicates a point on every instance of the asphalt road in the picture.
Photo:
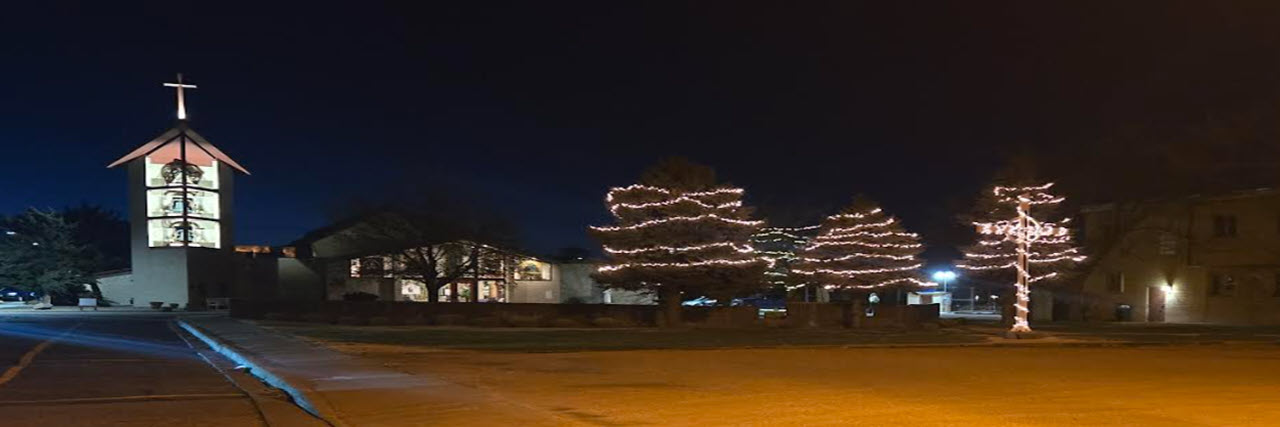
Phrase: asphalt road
(71, 369)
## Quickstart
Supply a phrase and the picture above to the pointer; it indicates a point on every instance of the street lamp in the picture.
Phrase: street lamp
(945, 277)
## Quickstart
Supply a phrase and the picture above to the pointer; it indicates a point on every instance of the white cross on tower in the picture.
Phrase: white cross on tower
(182, 105)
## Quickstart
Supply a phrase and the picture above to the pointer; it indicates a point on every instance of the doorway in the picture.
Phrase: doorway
(1155, 304)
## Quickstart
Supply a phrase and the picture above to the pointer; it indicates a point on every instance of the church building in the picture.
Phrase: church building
(184, 255)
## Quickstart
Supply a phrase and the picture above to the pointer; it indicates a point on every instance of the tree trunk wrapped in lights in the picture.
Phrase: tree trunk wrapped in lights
(861, 248)
(678, 232)
(1014, 237)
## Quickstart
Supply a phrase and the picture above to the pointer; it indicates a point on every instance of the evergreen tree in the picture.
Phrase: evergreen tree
(779, 247)
(39, 252)
(103, 231)
(861, 248)
(678, 231)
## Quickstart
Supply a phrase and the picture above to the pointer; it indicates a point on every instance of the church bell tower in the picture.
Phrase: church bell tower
(180, 216)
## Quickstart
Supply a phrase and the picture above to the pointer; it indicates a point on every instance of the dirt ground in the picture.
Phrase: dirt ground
(1223, 384)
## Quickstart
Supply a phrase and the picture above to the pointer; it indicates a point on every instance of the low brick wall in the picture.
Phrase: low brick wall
(829, 315)
(910, 316)
(721, 317)
(480, 314)
(817, 315)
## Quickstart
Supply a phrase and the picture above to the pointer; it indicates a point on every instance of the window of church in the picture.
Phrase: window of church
(532, 269)
(181, 199)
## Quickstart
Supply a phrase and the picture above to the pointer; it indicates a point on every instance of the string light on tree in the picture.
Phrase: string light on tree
(861, 248)
(777, 246)
(661, 221)
(1007, 243)
(671, 249)
(679, 234)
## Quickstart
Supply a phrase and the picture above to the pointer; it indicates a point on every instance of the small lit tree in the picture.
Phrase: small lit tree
(861, 248)
(679, 231)
(1011, 238)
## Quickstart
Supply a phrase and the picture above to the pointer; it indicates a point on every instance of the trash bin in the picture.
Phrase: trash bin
(1124, 313)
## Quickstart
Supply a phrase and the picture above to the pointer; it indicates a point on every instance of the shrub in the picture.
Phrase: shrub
(565, 322)
(352, 320)
(317, 318)
(380, 321)
(416, 319)
(608, 322)
(523, 321)
(486, 321)
(449, 319)
(359, 296)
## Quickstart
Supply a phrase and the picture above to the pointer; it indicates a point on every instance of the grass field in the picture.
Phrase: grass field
(1076, 375)
(1038, 385)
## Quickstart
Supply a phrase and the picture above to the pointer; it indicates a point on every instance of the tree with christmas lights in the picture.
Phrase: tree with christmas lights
(679, 232)
(860, 249)
(778, 246)
(1016, 237)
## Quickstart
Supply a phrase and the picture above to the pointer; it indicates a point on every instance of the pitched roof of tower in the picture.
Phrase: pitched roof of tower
(175, 135)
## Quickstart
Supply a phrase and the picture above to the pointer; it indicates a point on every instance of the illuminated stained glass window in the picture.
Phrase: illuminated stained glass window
(531, 269)
(172, 232)
(172, 171)
(182, 212)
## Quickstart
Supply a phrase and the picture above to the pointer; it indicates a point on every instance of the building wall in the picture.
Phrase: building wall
(576, 283)
(211, 273)
(538, 291)
(623, 297)
(1168, 252)
(300, 279)
(117, 289)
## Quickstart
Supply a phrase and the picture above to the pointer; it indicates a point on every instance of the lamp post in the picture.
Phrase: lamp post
(945, 277)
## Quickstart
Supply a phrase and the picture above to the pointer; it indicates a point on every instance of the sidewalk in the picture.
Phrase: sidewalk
(351, 391)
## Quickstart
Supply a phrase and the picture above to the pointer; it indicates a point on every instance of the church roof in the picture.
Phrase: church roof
(175, 136)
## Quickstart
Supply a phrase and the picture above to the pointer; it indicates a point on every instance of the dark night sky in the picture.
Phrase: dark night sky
(542, 106)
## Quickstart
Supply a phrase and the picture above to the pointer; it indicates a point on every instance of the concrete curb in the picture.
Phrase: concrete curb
(302, 395)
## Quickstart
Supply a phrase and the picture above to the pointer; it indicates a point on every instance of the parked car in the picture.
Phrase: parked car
(765, 305)
(700, 302)
(13, 294)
